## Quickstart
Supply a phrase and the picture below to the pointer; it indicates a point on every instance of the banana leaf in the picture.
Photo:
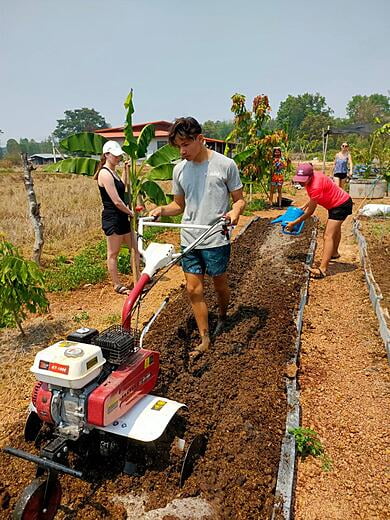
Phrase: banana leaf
(130, 144)
(163, 172)
(164, 155)
(84, 142)
(242, 156)
(80, 165)
(154, 192)
(144, 139)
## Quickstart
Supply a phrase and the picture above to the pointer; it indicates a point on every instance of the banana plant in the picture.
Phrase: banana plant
(144, 172)
(84, 144)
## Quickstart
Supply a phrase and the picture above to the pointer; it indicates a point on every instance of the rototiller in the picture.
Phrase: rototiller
(92, 393)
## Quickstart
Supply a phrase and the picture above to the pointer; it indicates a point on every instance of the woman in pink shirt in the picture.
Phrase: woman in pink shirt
(323, 191)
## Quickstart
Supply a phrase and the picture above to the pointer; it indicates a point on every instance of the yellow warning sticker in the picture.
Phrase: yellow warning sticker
(158, 405)
(148, 361)
(66, 343)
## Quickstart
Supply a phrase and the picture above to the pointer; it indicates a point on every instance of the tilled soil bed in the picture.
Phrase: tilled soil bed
(235, 394)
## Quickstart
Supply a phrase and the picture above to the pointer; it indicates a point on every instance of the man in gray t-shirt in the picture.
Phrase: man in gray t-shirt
(203, 183)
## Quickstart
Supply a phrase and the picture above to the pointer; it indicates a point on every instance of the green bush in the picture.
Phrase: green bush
(255, 205)
(21, 287)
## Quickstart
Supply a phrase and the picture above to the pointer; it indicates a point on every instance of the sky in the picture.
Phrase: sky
(183, 57)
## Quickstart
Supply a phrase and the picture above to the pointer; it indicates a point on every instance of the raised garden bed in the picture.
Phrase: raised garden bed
(236, 394)
(373, 235)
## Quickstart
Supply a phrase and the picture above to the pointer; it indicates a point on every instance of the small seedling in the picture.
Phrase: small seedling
(112, 319)
(81, 316)
(308, 443)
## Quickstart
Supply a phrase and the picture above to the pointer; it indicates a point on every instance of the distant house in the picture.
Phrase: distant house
(44, 158)
(160, 139)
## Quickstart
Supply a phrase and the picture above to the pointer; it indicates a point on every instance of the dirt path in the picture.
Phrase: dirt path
(345, 397)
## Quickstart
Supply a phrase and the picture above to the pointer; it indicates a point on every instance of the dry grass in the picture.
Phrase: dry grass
(70, 208)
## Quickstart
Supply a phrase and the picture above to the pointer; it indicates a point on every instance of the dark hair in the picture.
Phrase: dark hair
(184, 127)
(100, 165)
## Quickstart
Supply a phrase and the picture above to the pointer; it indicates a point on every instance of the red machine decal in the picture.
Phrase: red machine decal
(123, 388)
(54, 367)
(61, 369)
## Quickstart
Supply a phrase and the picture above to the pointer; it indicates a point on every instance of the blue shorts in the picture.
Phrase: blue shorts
(213, 261)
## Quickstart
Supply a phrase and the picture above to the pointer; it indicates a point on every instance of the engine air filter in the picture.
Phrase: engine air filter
(117, 343)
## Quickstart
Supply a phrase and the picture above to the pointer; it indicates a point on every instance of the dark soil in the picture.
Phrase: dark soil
(377, 235)
(235, 393)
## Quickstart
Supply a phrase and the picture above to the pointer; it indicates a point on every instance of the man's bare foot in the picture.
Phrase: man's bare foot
(201, 348)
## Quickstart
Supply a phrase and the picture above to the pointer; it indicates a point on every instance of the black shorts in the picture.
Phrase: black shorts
(115, 223)
(341, 212)
(340, 175)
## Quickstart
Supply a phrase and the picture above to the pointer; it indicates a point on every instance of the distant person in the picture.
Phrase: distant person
(342, 167)
(203, 183)
(115, 215)
(277, 175)
(323, 191)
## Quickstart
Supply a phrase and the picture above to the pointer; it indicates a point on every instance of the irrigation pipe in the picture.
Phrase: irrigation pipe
(374, 291)
(285, 484)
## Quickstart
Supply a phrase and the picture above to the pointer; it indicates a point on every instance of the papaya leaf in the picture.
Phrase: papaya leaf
(164, 155)
(84, 142)
(144, 139)
(80, 165)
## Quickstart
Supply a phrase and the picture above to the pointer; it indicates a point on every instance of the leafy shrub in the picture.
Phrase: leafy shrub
(255, 205)
(21, 287)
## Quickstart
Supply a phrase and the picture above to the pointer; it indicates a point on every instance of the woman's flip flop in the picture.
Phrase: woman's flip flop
(317, 273)
(122, 289)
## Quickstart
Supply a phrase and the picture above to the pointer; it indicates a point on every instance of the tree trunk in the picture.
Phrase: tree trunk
(34, 208)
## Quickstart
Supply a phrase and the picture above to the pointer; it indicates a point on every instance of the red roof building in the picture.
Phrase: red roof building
(160, 139)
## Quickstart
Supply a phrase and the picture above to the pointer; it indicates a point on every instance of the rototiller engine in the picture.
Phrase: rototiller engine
(92, 393)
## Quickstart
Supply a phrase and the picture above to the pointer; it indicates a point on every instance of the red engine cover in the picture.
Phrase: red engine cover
(123, 388)
(41, 398)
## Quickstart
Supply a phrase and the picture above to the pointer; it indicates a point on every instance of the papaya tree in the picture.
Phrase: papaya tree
(21, 286)
(252, 140)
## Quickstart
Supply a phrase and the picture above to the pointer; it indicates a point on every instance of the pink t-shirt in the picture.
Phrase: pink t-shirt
(325, 192)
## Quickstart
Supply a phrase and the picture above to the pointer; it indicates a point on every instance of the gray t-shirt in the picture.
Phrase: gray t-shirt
(206, 188)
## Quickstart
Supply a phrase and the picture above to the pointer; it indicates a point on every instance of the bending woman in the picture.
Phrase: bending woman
(323, 191)
(115, 214)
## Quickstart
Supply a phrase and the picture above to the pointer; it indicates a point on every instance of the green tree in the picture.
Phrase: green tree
(13, 148)
(364, 109)
(21, 286)
(309, 134)
(79, 120)
(293, 110)
(217, 129)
